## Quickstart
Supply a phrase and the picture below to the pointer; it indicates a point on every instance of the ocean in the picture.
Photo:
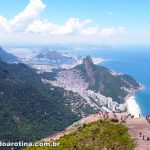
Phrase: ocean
(132, 60)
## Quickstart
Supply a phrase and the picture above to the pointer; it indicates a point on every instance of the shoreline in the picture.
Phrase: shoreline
(98, 60)
(132, 106)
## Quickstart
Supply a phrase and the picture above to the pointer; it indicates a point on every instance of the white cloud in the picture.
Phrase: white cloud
(121, 30)
(112, 31)
(28, 22)
(71, 26)
(3, 24)
(90, 31)
(21, 21)
(30, 13)
(107, 32)
(39, 26)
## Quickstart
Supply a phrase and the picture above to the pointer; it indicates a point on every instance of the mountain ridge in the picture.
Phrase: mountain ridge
(55, 57)
(29, 109)
(7, 57)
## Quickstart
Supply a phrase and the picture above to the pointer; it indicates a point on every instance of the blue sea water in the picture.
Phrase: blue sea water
(134, 61)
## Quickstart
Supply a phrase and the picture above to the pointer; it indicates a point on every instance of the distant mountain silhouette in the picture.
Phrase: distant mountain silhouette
(55, 57)
(7, 57)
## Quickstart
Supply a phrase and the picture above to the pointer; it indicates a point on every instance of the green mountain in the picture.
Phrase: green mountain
(29, 109)
(106, 82)
(100, 135)
(54, 57)
(7, 57)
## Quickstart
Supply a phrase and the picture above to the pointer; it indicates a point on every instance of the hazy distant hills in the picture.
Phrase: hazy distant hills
(29, 109)
(54, 57)
(38, 57)
(7, 57)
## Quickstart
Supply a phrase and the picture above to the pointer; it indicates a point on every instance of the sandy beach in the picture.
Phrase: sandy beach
(132, 106)
(98, 60)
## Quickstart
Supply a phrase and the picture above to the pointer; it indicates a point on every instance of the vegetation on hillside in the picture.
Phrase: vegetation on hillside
(101, 79)
(29, 109)
(99, 135)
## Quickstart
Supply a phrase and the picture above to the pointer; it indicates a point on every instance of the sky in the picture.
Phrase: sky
(111, 22)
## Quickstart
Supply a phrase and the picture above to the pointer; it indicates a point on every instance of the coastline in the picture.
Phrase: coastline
(132, 106)
(98, 60)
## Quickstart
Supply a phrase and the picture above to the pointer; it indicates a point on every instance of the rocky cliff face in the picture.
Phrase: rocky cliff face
(88, 66)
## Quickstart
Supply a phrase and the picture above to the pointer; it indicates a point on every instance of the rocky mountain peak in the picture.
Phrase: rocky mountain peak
(88, 61)
(88, 66)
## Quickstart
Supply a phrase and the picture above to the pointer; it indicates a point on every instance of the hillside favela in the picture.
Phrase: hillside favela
(74, 75)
